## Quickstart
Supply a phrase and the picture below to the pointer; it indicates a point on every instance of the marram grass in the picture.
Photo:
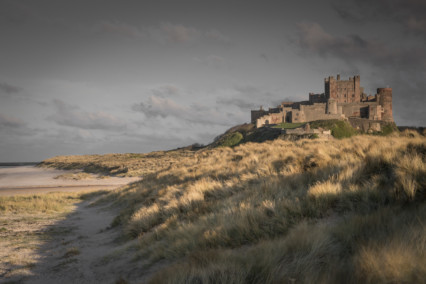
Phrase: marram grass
(311, 211)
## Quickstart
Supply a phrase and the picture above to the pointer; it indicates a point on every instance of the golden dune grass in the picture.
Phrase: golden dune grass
(311, 211)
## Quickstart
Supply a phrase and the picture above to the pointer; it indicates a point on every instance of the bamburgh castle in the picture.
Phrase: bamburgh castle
(342, 99)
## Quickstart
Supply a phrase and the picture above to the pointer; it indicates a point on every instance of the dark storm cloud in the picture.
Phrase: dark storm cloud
(8, 89)
(313, 38)
(68, 115)
(410, 14)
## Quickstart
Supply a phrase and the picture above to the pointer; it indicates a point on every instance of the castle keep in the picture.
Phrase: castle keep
(342, 99)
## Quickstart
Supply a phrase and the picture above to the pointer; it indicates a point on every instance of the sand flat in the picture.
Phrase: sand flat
(31, 179)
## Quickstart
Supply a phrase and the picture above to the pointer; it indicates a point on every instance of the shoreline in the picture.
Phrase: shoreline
(33, 180)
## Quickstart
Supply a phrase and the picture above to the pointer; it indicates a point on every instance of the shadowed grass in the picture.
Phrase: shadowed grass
(310, 211)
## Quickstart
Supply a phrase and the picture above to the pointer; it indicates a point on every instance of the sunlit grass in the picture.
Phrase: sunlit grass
(278, 211)
(310, 211)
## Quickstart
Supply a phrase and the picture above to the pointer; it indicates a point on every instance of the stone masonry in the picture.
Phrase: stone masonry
(342, 99)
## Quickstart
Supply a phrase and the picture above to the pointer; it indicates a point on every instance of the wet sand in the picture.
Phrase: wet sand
(31, 180)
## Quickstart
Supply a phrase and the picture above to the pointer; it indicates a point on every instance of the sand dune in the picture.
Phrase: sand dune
(30, 179)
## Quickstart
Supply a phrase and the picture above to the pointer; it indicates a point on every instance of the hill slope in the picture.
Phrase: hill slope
(312, 211)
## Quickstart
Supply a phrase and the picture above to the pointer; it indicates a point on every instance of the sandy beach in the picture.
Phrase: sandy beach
(31, 179)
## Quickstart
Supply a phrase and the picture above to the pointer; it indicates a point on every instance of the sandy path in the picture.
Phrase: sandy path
(30, 179)
(88, 253)
(80, 248)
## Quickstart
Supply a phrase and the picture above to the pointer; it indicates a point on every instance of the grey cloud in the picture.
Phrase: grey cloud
(313, 38)
(217, 36)
(163, 33)
(238, 102)
(120, 28)
(12, 128)
(9, 89)
(165, 91)
(156, 107)
(264, 57)
(410, 14)
(7, 121)
(248, 97)
(69, 115)
(212, 60)
(179, 33)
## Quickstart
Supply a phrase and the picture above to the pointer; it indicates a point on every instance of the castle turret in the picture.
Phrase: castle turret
(331, 106)
(385, 100)
(357, 90)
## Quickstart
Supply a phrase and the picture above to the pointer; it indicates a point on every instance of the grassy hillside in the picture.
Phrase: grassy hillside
(312, 211)
(130, 164)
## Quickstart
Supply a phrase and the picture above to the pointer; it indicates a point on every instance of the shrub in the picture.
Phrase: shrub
(230, 140)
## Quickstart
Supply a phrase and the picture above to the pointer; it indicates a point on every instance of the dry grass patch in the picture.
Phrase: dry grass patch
(26, 223)
(273, 210)
(119, 164)
(310, 211)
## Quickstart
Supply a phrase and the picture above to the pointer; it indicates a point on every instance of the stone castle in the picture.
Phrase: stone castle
(342, 99)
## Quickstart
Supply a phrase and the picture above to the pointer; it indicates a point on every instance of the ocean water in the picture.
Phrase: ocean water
(18, 164)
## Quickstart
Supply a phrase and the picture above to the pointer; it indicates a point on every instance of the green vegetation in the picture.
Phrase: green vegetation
(339, 128)
(230, 139)
(287, 125)
(389, 129)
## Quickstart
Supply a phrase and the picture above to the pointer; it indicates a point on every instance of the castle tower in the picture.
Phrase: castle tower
(343, 91)
(357, 89)
(385, 100)
(331, 106)
(330, 88)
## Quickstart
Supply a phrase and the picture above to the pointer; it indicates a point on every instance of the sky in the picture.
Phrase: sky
(93, 77)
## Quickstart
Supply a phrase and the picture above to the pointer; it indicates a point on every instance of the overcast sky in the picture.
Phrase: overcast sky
(81, 77)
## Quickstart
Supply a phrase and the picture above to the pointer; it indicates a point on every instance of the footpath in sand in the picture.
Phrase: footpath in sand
(89, 252)
(31, 180)
(77, 248)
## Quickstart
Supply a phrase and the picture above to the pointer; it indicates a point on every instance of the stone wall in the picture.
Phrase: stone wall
(367, 124)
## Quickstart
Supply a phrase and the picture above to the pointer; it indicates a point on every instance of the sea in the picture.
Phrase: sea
(18, 164)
